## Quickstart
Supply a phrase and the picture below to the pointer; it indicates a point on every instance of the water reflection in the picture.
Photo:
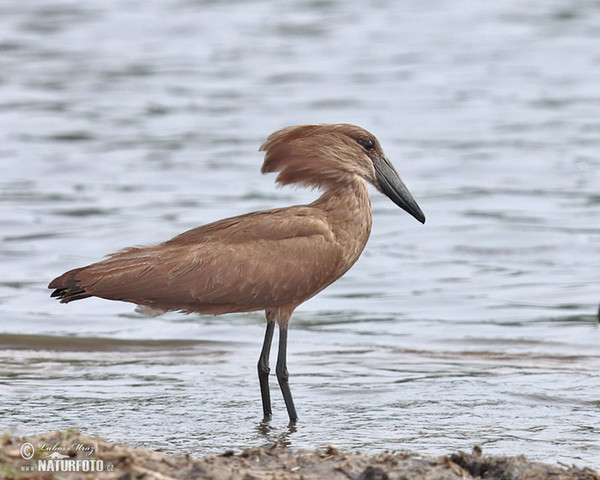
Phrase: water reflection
(274, 436)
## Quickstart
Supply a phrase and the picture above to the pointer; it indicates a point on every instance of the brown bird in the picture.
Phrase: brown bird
(271, 260)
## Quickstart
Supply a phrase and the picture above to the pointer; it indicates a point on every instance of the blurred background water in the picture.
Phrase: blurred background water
(127, 122)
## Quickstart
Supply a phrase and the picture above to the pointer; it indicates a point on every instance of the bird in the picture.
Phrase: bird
(271, 260)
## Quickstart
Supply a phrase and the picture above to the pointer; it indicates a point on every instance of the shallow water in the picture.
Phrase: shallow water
(126, 123)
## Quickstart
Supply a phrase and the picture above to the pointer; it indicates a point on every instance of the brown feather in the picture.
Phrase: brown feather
(273, 259)
(316, 155)
(212, 270)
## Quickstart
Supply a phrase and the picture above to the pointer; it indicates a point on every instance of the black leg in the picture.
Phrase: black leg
(263, 370)
(282, 374)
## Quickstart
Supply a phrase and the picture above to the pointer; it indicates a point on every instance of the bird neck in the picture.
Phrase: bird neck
(347, 208)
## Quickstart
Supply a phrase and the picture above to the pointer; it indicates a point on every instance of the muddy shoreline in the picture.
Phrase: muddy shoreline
(71, 455)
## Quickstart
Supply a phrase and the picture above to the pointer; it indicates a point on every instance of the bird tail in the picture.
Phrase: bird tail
(66, 287)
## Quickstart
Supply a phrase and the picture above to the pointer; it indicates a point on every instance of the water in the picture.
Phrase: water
(128, 122)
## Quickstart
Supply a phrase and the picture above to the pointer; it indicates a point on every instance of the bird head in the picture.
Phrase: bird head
(329, 155)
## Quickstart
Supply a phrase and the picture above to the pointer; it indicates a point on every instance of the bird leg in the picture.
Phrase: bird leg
(282, 373)
(263, 369)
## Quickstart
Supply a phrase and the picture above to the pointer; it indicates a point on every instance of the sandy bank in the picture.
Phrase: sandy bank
(70, 455)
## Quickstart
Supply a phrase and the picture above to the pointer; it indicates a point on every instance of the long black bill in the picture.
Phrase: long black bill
(394, 188)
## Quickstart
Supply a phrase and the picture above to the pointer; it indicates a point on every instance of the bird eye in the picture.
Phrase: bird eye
(368, 144)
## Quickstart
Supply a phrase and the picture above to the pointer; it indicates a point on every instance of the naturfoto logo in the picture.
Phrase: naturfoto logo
(52, 460)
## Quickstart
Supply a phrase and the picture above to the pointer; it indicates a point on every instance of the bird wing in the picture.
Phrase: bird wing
(276, 224)
(252, 262)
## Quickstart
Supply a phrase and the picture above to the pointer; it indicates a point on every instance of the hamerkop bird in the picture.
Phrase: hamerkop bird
(271, 260)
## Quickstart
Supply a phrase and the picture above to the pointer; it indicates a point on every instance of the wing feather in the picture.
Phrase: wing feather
(252, 262)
